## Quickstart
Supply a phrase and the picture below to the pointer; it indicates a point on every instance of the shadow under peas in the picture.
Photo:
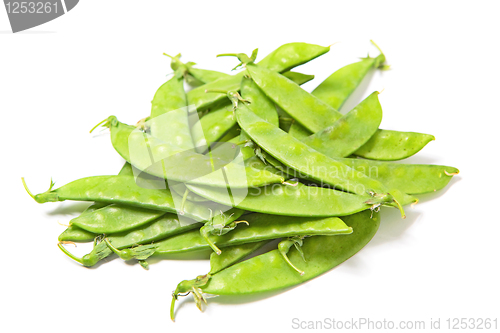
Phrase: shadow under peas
(70, 208)
(392, 225)
(435, 195)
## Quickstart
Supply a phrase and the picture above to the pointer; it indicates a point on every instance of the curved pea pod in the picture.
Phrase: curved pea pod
(76, 234)
(165, 226)
(270, 271)
(409, 178)
(337, 88)
(309, 162)
(124, 190)
(259, 103)
(212, 127)
(168, 161)
(298, 78)
(294, 100)
(115, 218)
(260, 227)
(170, 96)
(349, 132)
(282, 59)
(386, 145)
(298, 200)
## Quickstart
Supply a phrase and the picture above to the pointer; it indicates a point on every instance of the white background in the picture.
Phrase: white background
(105, 57)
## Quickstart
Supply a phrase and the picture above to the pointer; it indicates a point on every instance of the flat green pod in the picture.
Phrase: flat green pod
(269, 271)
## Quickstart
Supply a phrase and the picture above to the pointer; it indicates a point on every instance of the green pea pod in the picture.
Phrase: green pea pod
(76, 234)
(79, 235)
(115, 218)
(260, 227)
(165, 226)
(215, 124)
(123, 190)
(409, 178)
(170, 96)
(298, 78)
(258, 101)
(282, 59)
(297, 200)
(336, 89)
(269, 271)
(309, 162)
(294, 100)
(386, 145)
(349, 132)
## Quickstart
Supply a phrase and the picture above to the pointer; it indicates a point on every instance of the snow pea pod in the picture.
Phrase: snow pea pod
(269, 271)
(299, 200)
(311, 163)
(298, 78)
(165, 226)
(383, 145)
(259, 103)
(170, 96)
(261, 227)
(216, 123)
(76, 234)
(336, 89)
(387, 145)
(409, 178)
(294, 100)
(282, 59)
(115, 218)
(79, 235)
(123, 190)
(349, 132)
(168, 161)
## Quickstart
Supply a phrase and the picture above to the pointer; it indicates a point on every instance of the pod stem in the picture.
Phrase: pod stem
(205, 234)
(27, 189)
(111, 247)
(99, 124)
(108, 122)
(284, 247)
(398, 206)
(69, 254)
(380, 59)
(172, 306)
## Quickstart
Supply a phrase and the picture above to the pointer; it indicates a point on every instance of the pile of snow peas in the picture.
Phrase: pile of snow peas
(227, 163)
